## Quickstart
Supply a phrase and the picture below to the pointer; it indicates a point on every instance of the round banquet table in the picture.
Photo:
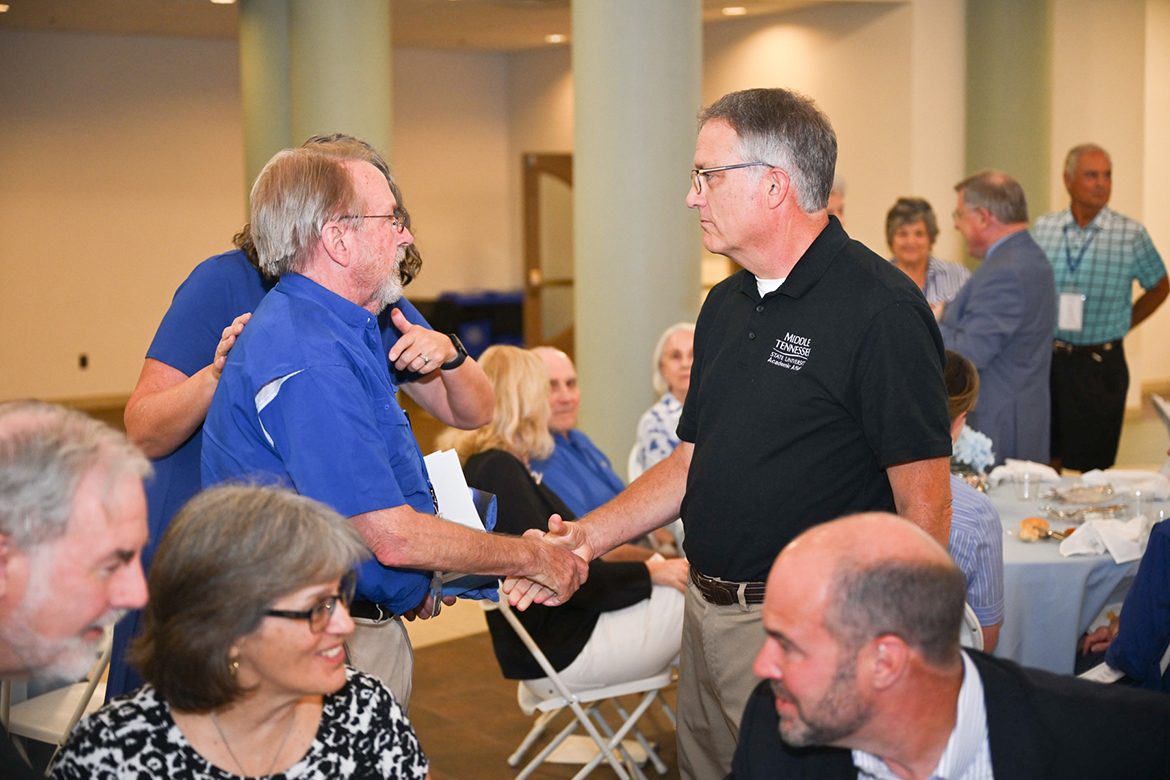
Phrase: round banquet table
(1050, 600)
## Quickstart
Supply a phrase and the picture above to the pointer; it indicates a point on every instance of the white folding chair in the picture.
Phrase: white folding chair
(51, 716)
(550, 695)
(971, 633)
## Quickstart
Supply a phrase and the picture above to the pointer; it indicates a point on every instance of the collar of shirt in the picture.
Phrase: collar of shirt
(346, 310)
(967, 755)
(1099, 222)
(671, 403)
(808, 269)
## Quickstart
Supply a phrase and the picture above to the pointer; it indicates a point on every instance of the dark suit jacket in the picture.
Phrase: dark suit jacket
(1002, 320)
(1040, 726)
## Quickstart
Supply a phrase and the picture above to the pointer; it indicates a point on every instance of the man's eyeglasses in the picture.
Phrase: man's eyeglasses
(698, 175)
(322, 612)
(398, 220)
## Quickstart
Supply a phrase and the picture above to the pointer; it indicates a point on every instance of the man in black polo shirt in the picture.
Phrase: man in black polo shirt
(816, 391)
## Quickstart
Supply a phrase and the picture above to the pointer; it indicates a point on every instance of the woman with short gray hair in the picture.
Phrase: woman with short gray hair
(244, 658)
(911, 229)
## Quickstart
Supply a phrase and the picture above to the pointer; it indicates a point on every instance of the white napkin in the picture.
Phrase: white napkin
(1124, 539)
(1011, 467)
(1157, 485)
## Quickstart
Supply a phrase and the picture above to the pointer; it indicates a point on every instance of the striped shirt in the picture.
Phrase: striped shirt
(976, 545)
(944, 279)
(968, 753)
(1100, 261)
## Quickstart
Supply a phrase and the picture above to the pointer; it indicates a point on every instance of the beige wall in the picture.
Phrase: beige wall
(122, 166)
(123, 156)
(450, 150)
(1110, 72)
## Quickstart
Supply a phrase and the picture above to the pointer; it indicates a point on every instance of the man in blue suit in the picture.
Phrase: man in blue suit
(1003, 317)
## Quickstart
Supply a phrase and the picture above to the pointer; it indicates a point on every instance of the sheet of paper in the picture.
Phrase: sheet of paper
(451, 490)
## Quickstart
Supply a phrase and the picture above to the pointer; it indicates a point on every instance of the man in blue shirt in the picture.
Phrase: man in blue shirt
(577, 471)
(306, 399)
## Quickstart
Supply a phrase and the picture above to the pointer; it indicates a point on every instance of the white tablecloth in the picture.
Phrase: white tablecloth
(1049, 601)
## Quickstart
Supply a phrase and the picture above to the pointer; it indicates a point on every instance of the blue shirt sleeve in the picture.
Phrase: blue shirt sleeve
(220, 289)
(1144, 630)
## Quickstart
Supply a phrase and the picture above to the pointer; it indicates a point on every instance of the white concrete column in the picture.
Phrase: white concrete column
(637, 72)
(264, 83)
(339, 57)
(938, 63)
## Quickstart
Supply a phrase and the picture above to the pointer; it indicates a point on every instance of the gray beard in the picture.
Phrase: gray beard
(391, 290)
(54, 661)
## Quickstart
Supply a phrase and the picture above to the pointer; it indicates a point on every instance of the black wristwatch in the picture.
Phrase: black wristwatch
(460, 354)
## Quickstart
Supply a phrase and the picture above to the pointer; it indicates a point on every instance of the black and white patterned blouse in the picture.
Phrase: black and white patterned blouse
(363, 734)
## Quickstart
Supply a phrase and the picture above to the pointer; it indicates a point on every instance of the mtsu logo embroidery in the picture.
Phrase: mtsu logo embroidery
(791, 352)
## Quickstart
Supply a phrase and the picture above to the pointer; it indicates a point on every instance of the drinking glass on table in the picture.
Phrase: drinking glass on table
(1026, 486)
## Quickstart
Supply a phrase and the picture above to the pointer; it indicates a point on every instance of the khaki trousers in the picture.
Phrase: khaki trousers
(383, 650)
(715, 679)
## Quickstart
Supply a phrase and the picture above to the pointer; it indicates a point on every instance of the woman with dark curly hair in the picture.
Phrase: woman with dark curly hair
(243, 655)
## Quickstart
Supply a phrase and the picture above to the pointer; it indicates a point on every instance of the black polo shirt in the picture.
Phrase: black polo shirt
(798, 401)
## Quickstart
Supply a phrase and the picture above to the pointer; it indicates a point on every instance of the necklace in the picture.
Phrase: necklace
(232, 753)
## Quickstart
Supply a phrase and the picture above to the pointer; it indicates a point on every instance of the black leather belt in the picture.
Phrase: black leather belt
(1064, 348)
(368, 610)
(723, 594)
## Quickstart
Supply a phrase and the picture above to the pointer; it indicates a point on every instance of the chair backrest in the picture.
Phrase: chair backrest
(971, 633)
(1162, 407)
(633, 465)
(51, 716)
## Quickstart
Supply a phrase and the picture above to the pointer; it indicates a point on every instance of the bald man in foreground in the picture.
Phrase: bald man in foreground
(864, 678)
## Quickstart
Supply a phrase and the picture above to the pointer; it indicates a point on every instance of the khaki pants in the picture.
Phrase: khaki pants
(715, 679)
(383, 650)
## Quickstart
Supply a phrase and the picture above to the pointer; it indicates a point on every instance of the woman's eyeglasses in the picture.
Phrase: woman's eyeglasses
(322, 612)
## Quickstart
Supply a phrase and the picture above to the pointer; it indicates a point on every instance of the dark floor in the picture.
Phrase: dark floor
(468, 720)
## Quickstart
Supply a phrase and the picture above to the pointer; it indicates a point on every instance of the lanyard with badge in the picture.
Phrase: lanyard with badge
(1071, 310)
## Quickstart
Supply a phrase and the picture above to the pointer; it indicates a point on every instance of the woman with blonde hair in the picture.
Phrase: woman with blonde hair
(625, 622)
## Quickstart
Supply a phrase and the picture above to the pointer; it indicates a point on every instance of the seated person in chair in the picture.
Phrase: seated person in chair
(1137, 642)
(976, 540)
(579, 472)
(72, 526)
(242, 653)
(625, 623)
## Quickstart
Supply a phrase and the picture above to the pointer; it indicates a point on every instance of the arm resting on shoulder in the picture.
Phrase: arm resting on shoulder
(167, 406)
(1149, 301)
(922, 495)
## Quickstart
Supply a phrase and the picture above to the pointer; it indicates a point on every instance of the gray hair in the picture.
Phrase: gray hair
(997, 192)
(908, 211)
(1074, 156)
(919, 602)
(228, 554)
(45, 450)
(784, 129)
(347, 147)
(656, 377)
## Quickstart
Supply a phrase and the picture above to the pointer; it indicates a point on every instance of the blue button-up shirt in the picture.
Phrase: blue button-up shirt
(307, 400)
(579, 473)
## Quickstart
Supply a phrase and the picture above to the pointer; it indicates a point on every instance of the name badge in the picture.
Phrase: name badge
(1071, 312)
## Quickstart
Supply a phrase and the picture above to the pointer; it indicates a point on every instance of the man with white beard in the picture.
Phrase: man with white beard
(72, 526)
(305, 399)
